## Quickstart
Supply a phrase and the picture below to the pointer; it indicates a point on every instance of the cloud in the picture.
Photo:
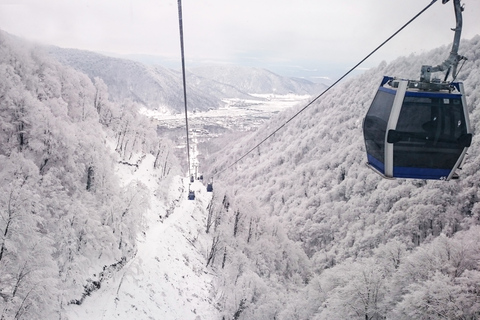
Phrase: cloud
(308, 33)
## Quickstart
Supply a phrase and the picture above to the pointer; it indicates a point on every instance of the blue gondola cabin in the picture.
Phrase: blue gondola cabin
(412, 133)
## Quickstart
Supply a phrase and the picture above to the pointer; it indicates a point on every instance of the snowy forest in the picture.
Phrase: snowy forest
(299, 229)
(306, 231)
(64, 214)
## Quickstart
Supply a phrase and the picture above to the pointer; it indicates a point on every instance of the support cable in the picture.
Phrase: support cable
(180, 23)
(326, 90)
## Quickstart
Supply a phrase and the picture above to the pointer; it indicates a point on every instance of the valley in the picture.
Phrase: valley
(236, 115)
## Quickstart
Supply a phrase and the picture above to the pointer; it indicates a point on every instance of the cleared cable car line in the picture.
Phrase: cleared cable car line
(191, 194)
(328, 89)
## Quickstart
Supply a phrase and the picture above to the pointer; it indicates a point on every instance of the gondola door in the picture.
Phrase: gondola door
(391, 125)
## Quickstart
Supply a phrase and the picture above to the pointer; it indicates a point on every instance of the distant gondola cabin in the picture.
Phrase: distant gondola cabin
(210, 187)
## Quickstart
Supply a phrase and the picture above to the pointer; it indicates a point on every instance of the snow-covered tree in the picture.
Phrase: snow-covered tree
(64, 215)
(383, 239)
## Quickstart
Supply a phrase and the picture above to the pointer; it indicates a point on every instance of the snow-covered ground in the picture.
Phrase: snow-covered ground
(167, 278)
(237, 114)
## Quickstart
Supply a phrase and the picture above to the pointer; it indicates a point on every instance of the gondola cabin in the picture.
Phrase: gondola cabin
(191, 195)
(210, 187)
(410, 132)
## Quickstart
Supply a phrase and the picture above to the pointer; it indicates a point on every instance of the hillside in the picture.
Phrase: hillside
(312, 233)
(154, 87)
(68, 222)
(91, 201)
(160, 88)
(167, 277)
(257, 80)
(94, 221)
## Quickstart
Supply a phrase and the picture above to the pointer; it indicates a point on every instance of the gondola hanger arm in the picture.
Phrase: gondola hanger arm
(451, 63)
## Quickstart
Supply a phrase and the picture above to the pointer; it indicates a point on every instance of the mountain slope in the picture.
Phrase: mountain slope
(167, 278)
(257, 80)
(160, 88)
(153, 86)
(67, 223)
(335, 232)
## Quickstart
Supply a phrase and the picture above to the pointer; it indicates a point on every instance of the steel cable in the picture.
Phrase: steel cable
(326, 90)
(180, 23)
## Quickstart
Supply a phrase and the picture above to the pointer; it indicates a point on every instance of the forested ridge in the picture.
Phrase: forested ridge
(159, 88)
(301, 228)
(306, 231)
(66, 220)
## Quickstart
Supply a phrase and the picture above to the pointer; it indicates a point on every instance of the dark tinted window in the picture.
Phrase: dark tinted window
(431, 127)
(375, 123)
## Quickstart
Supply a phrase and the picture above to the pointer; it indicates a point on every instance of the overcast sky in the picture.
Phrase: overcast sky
(289, 35)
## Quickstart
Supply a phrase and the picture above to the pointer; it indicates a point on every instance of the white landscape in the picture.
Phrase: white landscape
(95, 222)
(167, 277)
(236, 114)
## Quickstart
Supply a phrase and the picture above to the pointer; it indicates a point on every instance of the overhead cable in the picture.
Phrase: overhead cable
(326, 90)
(180, 23)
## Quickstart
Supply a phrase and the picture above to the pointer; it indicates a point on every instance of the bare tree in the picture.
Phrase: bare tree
(212, 252)
(250, 230)
(210, 214)
(9, 220)
(238, 216)
(241, 307)
(224, 257)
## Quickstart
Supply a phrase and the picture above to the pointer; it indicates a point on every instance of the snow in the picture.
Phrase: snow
(167, 278)
(236, 107)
